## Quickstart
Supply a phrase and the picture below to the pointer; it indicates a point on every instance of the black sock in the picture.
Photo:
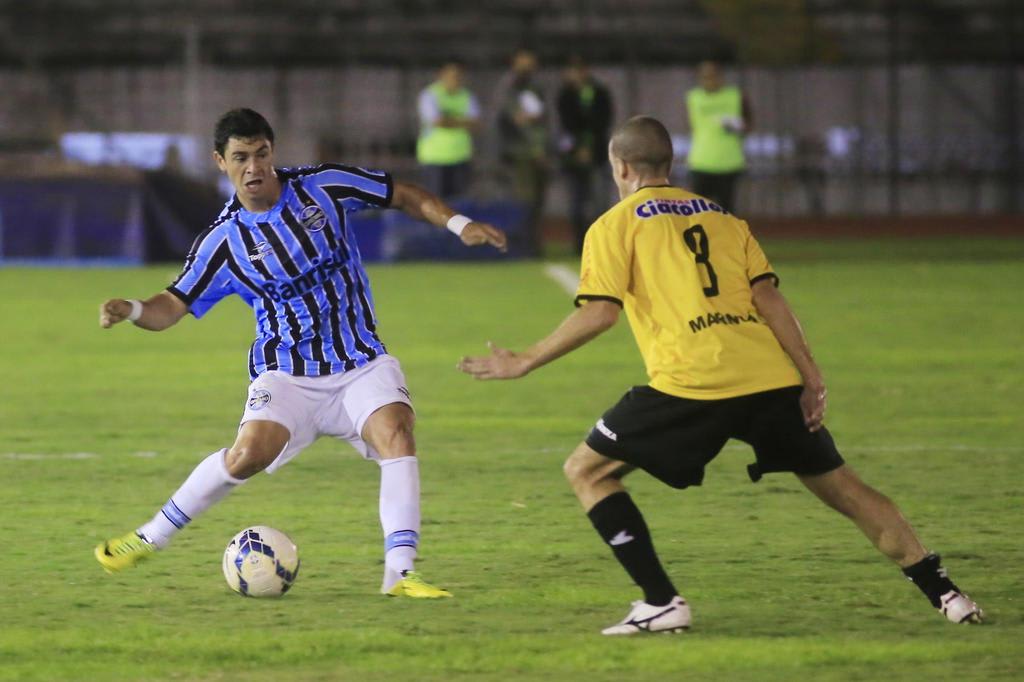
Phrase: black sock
(620, 524)
(930, 577)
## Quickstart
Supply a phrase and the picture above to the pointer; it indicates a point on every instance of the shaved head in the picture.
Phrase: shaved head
(644, 144)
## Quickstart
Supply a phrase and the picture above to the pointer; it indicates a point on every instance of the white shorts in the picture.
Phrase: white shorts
(337, 405)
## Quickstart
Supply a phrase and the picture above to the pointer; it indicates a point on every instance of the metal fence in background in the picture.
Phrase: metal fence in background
(826, 140)
(862, 107)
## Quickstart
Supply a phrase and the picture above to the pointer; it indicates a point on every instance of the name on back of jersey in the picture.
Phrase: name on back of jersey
(686, 207)
(710, 319)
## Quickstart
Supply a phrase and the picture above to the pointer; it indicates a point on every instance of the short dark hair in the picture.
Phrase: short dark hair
(643, 142)
(242, 123)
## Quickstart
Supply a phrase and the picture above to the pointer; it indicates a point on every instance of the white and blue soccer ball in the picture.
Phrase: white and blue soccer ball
(261, 562)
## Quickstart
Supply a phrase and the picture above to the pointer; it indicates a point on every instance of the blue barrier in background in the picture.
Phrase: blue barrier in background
(71, 219)
(390, 236)
(128, 217)
(150, 217)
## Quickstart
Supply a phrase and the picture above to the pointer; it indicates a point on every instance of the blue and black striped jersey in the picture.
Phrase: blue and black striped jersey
(298, 267)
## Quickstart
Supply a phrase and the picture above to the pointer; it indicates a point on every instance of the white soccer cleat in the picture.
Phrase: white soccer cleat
(643, 617)
(960, 608)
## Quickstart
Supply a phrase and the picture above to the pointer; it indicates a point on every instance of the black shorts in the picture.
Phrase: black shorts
(673, 439)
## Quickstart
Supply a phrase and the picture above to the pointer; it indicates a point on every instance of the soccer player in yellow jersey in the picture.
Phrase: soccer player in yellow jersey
(727, 359)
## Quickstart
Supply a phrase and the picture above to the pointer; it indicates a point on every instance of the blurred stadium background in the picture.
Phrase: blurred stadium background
(884, 173)
(865, 110)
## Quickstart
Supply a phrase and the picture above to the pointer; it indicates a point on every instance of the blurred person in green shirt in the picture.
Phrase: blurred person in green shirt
(719, 116)
(449, 114)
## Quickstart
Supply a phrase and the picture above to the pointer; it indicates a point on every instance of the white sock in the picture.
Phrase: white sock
(206, 485)
(399, 513)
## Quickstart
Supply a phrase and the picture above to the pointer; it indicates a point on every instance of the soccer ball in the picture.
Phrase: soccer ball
(261, 562)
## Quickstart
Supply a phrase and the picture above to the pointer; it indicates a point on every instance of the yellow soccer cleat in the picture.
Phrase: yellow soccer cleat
(412, 585)
(124, 552)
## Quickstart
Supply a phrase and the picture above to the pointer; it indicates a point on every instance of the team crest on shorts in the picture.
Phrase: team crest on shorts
(313, 218)
(259, 399)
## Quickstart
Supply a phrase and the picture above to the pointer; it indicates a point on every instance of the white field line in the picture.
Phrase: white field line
(38, 456)
(731, 447)
(739, 447)
(911, 447)
(34, 456)
(563, 277)
(743, 447)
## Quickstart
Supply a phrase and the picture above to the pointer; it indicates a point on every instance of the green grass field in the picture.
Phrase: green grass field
(921, 341)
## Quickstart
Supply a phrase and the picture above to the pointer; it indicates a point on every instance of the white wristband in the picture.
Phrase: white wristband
(457, 223)
(136, 312)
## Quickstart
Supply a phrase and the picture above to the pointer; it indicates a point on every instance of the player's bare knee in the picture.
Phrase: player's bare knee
(572, 468)
(582, 471)
(396, 440)
(389, 430)
(244, 461)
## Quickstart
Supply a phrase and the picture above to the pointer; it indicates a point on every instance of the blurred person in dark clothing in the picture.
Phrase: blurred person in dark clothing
(585, 113)
(523, 139)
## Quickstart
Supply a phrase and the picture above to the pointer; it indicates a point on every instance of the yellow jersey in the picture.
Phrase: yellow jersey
(682, 269)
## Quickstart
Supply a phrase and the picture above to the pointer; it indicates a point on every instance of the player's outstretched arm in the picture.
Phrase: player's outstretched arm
(422, 205)
(582, 325)
(774, 308)
(158, 313)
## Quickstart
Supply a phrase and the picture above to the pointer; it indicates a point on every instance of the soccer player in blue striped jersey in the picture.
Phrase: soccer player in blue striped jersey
(318, 366)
